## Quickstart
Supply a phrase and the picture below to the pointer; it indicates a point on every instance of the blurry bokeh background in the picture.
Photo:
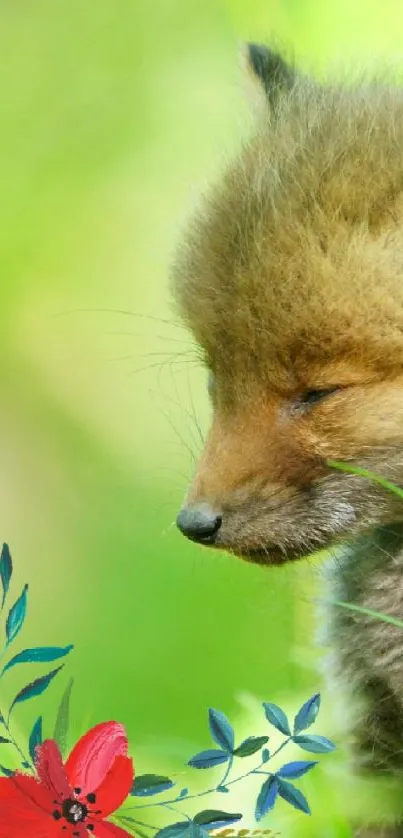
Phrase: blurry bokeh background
(112, 116)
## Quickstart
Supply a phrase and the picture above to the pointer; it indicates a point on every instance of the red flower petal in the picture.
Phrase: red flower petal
(26, 809)
(92, 757)
(33, 793)
(110, 830)
(116, 786)
(19, 827)
(51, 771)
(20, 817)
(16, 825)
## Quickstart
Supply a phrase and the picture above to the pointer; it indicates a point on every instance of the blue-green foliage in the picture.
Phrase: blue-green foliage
(275, 784)
(14, 624)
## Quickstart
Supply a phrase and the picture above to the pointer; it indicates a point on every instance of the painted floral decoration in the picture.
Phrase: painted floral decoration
(88, 793)
(71, 799)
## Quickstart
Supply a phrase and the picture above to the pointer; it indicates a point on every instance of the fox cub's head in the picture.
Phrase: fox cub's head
(291, 280)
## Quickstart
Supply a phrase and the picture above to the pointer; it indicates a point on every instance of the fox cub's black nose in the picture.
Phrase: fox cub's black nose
(199, 523)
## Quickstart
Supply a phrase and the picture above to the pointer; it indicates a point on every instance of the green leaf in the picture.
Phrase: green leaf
(209, 758)
(267, 798)
(6, 571)
(250, 746)
(377, 615)
(221, 730)
(42, 654)
(276, 716)
(370, 475)
(314, 744)
(146, 785)
(307, 714)
(62, 719)
(35, 738)
(293, 796)
(175, 830)
(215, 818)
(37, 687)
(16, 616)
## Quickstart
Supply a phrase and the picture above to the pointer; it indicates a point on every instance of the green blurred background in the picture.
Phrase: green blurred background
(113, 115)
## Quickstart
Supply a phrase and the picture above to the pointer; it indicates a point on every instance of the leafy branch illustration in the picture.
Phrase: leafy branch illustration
(42, 654)
(75, 804)
(276, 784)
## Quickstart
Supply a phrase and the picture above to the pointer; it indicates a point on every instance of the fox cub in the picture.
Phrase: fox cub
(290, 278)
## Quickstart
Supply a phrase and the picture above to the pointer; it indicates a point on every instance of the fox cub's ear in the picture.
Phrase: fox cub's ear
(267, 72)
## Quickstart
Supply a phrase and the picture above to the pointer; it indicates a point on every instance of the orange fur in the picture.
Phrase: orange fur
(290, 277)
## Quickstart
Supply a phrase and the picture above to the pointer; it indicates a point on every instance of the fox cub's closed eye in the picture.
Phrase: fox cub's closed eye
(310, 397)
(314, 396)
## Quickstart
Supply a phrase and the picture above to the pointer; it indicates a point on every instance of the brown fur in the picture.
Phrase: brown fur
(291, 279)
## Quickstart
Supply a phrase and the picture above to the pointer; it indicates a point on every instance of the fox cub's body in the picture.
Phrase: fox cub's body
(291, 280)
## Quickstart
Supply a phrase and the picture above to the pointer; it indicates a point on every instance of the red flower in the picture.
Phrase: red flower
(71, 800)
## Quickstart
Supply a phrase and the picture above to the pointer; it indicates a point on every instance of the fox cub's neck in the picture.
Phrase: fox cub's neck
(369, 573)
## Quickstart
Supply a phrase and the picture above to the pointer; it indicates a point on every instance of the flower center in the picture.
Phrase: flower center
(74, 811)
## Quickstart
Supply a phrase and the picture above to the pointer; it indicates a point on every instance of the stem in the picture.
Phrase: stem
(132, 821)
(213, 790)
(376, 615)
(13, 741)
(140, 823)
(370, 475)
(177, 811)
(175, 800)
(280, 748)
(228, 769)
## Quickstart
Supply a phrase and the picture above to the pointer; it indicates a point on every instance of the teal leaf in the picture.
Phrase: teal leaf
(221, 730)
(6, 571)
(176, 830)
(293, 796)
(265, 755)
(4, 741)
(293, 770)
(16, 617)
(6, 771)
(196, 831)
(35, 738)
(214, 818)
(37, 687)
(222, 789)
(307, 714)
(314, 744)
(250, 746)
(208, 759)
(43, 654)
(267, 798)
(62, 719)
(276, 716)
(146, 785)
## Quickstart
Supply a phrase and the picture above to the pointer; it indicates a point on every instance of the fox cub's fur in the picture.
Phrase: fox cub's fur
(291, 280)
